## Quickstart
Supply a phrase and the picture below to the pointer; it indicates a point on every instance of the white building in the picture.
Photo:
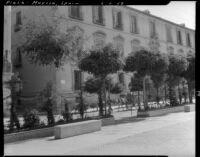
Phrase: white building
(127, 28)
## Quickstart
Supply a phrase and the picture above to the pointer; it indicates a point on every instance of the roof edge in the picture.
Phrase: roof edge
(158, 18)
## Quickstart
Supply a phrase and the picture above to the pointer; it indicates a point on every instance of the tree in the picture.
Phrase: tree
(45, 44)
(48, 98)
(136, 84)
(115, 88)
(15, 94)
(141, 62)
(189, 75)
(158, 72)
(177, 65)
(101, 63)
(93, 85)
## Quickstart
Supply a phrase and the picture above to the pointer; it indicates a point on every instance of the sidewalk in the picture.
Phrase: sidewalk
(172, 134)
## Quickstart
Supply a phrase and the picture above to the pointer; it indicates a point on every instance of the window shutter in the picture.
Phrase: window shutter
(114, 19)
(119, 22)
(100, 12)
(18, 18)
(77, 79)
(93, 13)
(135, 24)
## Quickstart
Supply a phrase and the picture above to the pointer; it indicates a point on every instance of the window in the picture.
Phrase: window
(77, 79)
(188, 40)
(135, 45)
(168, 34)
(152, 29)
(18, 58)
(18, 23)
(98, 15)
(121, 78)
(117, 20)
(75, 12)
(99, 39)
(133, 20)
(18, 18)
(119, 44)
(179, 38)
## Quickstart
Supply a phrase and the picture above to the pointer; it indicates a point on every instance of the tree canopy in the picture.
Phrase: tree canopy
(159, 69)
(177, 65)
(45, 44)
(189, 73)
(141, 62)
(101, 62)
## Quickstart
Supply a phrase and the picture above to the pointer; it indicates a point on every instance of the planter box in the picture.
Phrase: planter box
(160, 111)
(108, 121)
(68, 130)
(188, 108)
(24, 135)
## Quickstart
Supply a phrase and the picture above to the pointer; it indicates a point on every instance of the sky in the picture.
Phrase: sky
(176, 11)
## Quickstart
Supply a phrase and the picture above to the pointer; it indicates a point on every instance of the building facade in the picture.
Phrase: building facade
(7, 64)
(128, 29)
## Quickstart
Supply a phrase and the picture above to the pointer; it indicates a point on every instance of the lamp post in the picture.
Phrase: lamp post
(15, 85)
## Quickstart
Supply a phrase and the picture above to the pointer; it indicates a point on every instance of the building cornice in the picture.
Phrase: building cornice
(139, 11)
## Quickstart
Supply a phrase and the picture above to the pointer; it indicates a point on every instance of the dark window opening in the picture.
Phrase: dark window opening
(77, 79)
(75, 12)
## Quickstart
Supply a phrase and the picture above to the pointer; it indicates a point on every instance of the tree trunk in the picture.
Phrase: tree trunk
(157, 91)
(13, 116)
(109, 103)
(100, 103)
(104, 94)
(138, 98)
(180, 95)
(190, 92)
(165, 93)
(144, 93)
(81, 103)
(172, 96)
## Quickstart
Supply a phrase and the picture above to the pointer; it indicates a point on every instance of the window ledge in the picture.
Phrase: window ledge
(77, 18)
(135, 32)
(99, 23)
(118, 28)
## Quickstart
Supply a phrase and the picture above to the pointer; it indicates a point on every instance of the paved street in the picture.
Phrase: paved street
(172, 135)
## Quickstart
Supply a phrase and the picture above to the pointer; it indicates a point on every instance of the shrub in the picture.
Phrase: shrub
(47, 96)
(60, 121)
(81, 108)
(116, 88)
(31, 119)
(93, 105)
(42, 124)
